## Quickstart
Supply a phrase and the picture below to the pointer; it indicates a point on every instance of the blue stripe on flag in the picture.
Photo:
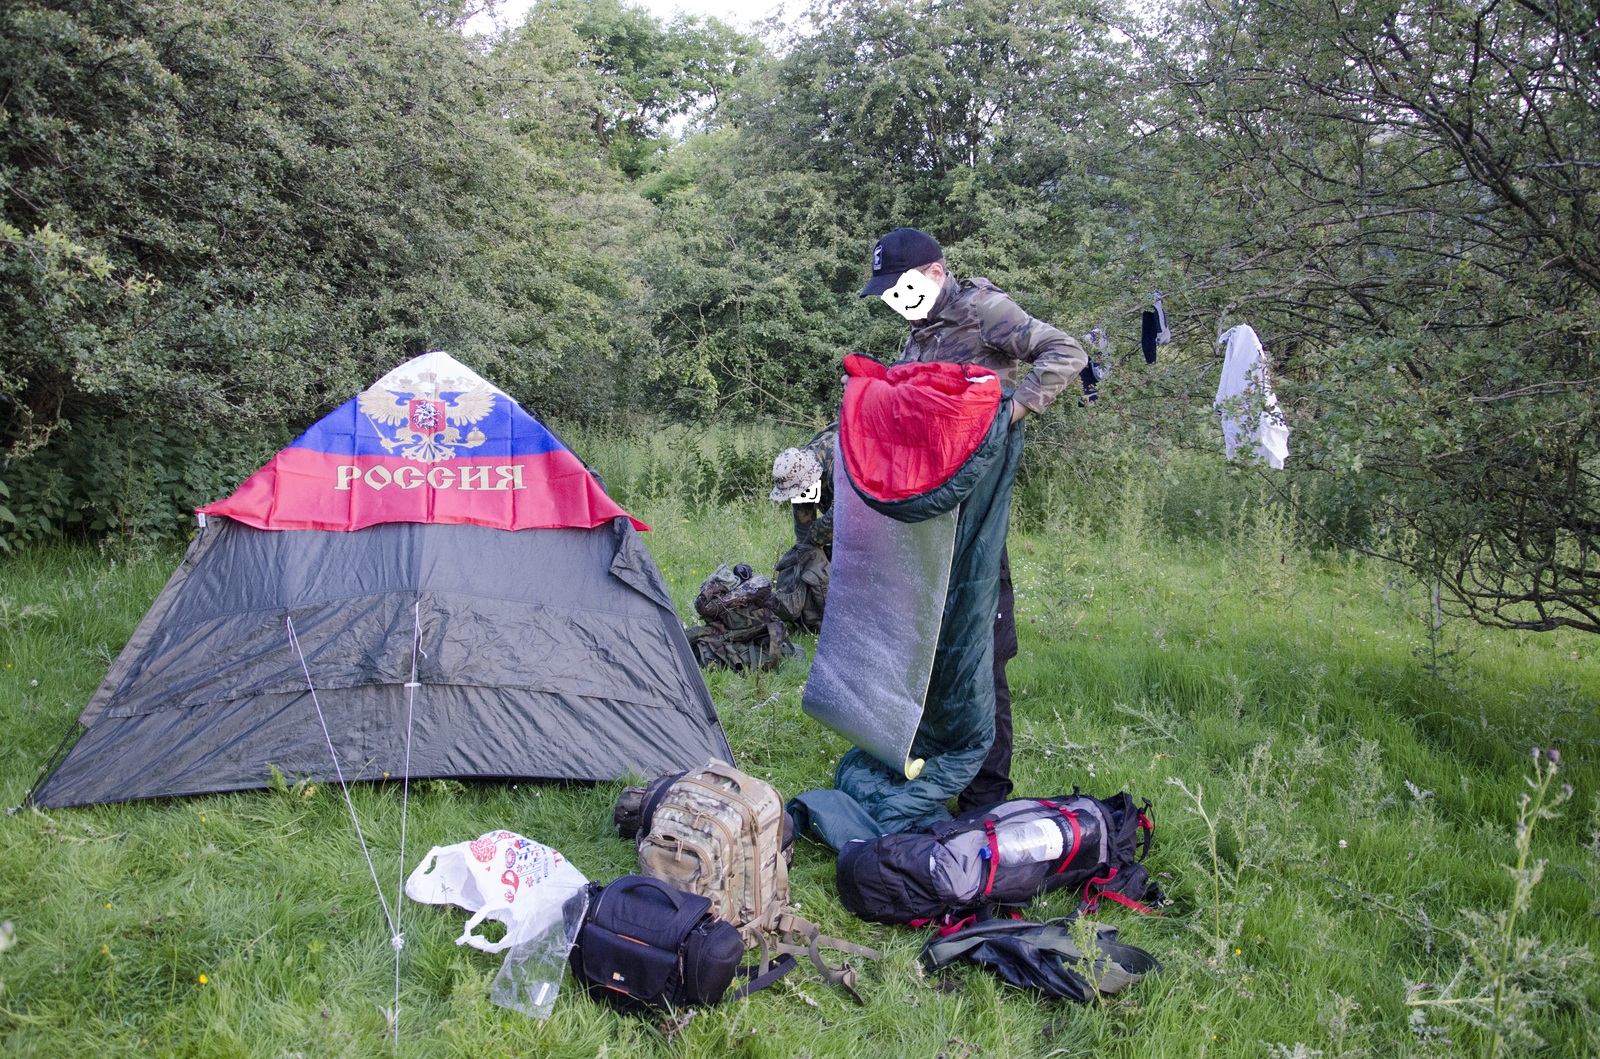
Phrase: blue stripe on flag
(506, 431)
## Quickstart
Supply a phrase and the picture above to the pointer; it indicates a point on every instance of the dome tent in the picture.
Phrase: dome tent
(428, 553)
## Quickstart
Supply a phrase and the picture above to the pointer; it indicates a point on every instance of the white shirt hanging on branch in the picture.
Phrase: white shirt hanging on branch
(1163, 332)
(1251, 419)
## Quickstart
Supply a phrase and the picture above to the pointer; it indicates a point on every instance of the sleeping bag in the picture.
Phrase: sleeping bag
(926, 459)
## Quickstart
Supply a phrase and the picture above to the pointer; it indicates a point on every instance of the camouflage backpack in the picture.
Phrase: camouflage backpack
(719, 833)
(742, 629)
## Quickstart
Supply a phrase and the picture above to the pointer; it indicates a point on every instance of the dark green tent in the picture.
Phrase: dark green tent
(419, 607)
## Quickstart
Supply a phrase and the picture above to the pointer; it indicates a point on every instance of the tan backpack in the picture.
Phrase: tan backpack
(719, 833)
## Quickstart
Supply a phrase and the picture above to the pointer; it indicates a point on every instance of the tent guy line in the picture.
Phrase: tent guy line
(397, 939)
(205, 698)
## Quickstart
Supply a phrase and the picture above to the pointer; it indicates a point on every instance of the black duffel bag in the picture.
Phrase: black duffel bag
(1005, 855)
(644, 944)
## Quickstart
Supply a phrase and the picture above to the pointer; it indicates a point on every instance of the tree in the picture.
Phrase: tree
(981, 122)
(216, 221)
(628, 74)
(1402, 196)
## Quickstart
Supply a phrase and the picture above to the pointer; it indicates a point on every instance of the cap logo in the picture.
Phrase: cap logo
(877, 258)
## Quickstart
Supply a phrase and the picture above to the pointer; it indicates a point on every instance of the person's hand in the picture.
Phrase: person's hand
(1017, 412)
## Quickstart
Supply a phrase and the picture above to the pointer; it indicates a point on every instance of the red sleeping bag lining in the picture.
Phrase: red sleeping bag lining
(907, 429)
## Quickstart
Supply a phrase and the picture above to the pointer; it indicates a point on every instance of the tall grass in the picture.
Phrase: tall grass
(1366, 857)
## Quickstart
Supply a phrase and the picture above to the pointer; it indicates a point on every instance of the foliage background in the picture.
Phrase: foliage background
(215, 223)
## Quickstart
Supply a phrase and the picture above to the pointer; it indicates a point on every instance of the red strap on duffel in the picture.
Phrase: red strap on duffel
(994, 856)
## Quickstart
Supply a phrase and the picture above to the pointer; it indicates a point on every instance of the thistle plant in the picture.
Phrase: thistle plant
(1503, 977)
(1198, 808)
(1085, 934)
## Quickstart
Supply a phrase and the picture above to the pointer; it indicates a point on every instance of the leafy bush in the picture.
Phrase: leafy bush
(120, 481)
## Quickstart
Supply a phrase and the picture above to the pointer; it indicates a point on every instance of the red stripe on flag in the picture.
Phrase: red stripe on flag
(304, 489)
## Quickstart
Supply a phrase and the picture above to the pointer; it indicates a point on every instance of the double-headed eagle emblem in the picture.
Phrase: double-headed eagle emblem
(428, 426)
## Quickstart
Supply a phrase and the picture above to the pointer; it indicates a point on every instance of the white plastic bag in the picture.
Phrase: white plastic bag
(502, 876)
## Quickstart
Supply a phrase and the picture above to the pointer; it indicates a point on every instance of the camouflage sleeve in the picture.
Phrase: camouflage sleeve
(805, 522)
(1056, 356)
(822, 529)
(823, 445)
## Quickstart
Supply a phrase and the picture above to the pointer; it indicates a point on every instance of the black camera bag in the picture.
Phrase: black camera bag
(644, 944)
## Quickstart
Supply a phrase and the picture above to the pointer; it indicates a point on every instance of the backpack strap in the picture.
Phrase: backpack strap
(774, 640)
(1148, 827)
(790, 926)
(1128, 902)
(1101, 886)
(654, 794)
(948, 924)
(941, 952)
(1077, 833)
(762, 976)
(1094, 889)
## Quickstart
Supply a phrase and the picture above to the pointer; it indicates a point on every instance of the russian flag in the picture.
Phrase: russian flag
(431, 441)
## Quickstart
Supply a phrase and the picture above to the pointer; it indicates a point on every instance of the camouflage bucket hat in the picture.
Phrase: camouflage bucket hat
(794, 472)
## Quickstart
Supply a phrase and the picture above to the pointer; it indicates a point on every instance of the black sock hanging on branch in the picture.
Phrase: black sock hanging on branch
(1153, 330)
(1097, 345)
(1090, 380)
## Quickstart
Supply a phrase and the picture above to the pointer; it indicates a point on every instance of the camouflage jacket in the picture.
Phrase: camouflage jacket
(975, 322)
(813, 523)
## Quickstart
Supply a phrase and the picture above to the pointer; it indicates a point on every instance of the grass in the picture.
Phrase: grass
(1339, 796)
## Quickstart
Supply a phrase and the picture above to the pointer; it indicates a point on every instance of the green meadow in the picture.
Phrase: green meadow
(1365, 854)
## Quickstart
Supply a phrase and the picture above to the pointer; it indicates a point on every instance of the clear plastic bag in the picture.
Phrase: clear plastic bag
(530, 977)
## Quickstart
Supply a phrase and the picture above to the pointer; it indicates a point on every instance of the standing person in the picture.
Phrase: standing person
(972, 321)
(804, 477)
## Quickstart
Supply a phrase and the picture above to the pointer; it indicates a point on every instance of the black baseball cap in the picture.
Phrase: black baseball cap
(901, 249)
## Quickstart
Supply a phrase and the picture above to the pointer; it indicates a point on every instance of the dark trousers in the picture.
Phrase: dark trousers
(992, 784)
